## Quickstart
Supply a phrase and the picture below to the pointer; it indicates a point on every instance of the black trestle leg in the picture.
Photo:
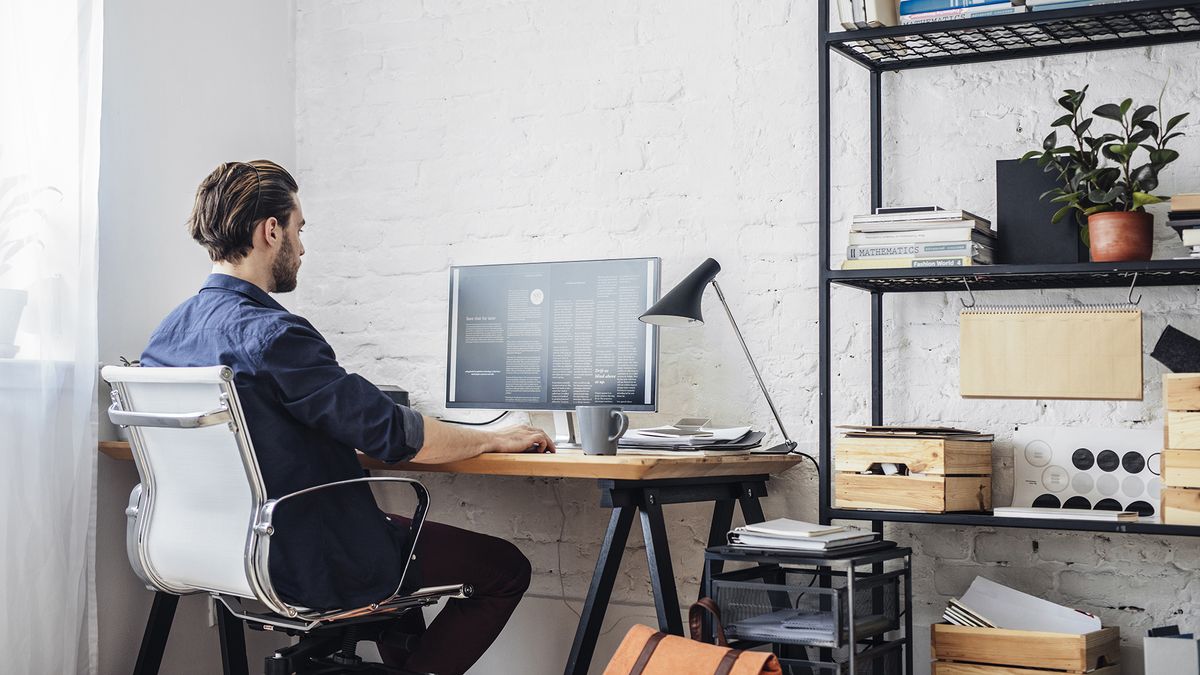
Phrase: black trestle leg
(662, 575)
(603, 579)
(233, 641)
(158, 628)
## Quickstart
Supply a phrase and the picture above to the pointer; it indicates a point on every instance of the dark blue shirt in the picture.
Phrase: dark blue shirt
(306, 416)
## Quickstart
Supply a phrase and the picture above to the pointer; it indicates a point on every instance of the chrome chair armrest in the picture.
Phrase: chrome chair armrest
(192, 420)
(264, 523)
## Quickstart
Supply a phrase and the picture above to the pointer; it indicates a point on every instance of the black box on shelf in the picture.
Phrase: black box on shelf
(1025, 235)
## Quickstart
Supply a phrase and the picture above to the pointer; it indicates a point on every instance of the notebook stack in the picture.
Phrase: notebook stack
(926, 236)
(1045, 5)
(797, 535)
(1185, 218)
(928, 11)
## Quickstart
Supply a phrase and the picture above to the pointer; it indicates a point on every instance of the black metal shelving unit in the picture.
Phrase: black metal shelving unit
(1032, 34)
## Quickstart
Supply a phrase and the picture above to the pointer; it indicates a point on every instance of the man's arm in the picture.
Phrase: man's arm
(448, 442)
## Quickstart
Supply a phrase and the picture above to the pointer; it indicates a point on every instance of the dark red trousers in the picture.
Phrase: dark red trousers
(464, 629)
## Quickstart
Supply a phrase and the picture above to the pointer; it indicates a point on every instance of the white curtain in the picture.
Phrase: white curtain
(50, 68)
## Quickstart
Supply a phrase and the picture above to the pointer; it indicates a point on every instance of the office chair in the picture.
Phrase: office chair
(200, 522)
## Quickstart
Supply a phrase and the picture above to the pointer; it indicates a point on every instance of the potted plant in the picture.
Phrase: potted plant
(1102, 184)
(19, 219)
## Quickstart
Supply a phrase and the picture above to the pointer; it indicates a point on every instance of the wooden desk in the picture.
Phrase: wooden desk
(569, 465)
(629, 485)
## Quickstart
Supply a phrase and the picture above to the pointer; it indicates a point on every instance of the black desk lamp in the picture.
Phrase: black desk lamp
(681, 307)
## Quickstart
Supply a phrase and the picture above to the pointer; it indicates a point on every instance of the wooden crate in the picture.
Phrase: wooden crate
(961, 650)
(930, 494)
(1182, 430)
(1180, 468)
(945, 474)
(1181, 391)
(1180, 506)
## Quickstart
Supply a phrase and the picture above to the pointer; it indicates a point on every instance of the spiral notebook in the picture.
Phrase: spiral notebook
(1059, 352)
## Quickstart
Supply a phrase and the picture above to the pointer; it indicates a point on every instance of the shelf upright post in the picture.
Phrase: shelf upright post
(825, 476)
(876, 202)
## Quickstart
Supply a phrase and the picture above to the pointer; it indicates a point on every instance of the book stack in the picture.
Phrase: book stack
(797, 535)
(928, 11)
(1185, 218)
(926, 236)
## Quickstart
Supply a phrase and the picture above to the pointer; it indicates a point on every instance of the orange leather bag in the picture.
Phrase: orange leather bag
(645, 651)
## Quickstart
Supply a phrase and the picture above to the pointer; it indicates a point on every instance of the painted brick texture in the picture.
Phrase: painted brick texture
(441, 133)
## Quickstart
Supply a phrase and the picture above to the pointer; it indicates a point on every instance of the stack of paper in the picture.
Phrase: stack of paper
(796, 535)
(991, 605)
(703, 442)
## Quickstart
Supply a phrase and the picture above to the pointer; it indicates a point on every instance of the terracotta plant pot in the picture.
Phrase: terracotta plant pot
(1118, 236)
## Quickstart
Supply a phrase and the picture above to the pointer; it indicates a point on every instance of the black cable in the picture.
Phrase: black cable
(477, 424)
(808, 457)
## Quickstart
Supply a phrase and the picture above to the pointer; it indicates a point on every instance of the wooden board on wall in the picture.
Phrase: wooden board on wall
(1057, 353)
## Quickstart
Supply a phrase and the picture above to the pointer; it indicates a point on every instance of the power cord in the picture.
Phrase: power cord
(477, 424)
(808, 457)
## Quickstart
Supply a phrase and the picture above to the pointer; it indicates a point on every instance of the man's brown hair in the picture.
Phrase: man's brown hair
(232, 200)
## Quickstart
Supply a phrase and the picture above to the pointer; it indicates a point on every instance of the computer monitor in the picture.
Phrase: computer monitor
(551, 336)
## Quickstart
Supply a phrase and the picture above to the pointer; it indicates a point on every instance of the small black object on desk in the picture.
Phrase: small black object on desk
(399, 396)
(1178, 351)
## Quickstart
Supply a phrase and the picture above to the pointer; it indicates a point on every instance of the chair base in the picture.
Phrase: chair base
(333, 650)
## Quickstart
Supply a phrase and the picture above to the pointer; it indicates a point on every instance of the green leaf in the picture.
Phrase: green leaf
(1109, 111)
(1151, 126)
(1050, 141)
(1067, 102)
(1145, 177)
(1163, 157)
(1061, 213)
(1066, 198)
(1031, 154)
(1084, 125)
(1139, 136)
(1099, 208)
(1143, 113)
(1175, 120)
(1126, 105)
(1141, 199)
(1062, 121)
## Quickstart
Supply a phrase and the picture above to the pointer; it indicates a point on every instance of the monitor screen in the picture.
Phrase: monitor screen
(551, 336)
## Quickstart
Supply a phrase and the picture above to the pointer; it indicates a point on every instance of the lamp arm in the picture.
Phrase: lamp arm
(787, 439)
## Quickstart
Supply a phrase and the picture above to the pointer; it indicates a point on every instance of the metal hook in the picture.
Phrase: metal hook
(972, 293)
(1130, 298)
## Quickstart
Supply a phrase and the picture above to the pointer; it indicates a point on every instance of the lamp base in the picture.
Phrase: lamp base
(781, 449)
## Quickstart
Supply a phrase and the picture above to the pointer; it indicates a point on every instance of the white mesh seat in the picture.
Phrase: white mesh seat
(200, 520)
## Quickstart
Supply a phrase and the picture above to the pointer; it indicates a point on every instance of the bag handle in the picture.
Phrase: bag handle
(728, 661)
(647, 652)
(695, 621)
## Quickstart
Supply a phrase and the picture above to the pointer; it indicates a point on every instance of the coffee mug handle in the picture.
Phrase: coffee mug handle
(624, 425)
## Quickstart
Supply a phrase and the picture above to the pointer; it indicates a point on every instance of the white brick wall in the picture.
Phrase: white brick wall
(443, 133)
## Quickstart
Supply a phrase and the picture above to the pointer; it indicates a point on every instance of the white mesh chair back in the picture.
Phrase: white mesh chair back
(201, 486)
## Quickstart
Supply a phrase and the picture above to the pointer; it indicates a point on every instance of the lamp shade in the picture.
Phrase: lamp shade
(681, 305)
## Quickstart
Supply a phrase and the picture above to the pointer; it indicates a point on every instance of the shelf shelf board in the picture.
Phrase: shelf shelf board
(1119, 25)
(1017, 277)
(984, 519)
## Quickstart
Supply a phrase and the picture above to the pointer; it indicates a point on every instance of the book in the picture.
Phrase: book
(1066, 514)
(1014, 610)
(1181, 224)
(786, 527)
(937, 249)
(1186, 202)
(968, 233)
(1190, 237)
(922, 6)
(700, 451)
(823, 542)
(964, 13)
(1045, 5)
(917, 225)
(1183, 215)
(918, 216)
(900, 263)
(904, 432)
(880, 13)
(846, 14)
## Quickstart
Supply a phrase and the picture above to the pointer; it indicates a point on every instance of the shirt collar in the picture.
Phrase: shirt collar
(231, 283)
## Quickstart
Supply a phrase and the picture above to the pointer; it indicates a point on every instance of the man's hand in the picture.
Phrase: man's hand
(451, 443)
(521, 438)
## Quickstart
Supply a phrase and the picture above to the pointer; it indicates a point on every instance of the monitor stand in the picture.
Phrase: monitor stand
(565, 437)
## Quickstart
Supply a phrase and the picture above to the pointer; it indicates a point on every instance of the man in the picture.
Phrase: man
(307, 415)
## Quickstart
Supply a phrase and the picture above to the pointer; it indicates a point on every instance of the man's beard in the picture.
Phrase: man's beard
(285, 268)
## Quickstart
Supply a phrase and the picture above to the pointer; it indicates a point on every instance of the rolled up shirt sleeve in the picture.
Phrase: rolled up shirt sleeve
(320, 394)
